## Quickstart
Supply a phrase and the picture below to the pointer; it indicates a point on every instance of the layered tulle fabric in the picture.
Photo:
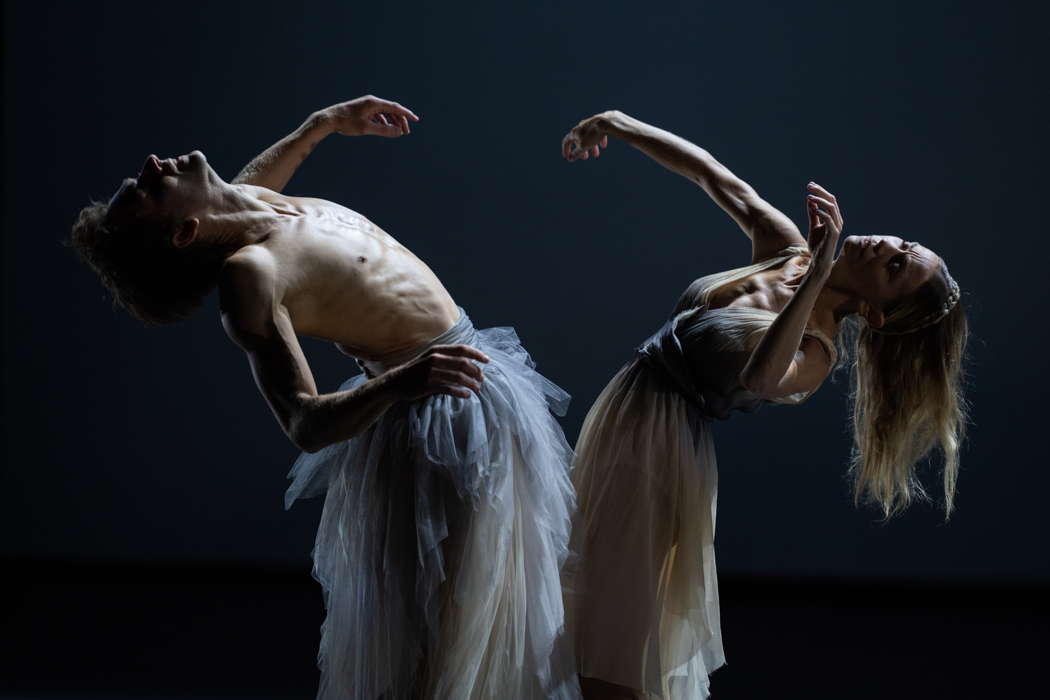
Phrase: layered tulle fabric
(441, 540)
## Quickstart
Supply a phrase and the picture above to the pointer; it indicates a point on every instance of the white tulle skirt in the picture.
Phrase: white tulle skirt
(641, 588)
(442, 537)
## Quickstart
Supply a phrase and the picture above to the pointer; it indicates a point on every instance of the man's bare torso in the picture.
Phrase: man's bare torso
(342, 278)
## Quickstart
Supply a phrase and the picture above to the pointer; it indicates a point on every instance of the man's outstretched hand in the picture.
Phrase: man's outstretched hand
(369, 115)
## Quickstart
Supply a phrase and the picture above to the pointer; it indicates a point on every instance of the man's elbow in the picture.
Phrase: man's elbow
(305, 440)
(303, 432)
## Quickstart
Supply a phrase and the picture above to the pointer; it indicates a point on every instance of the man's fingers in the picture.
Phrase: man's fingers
(388, 130)
(453, 379)
(462, 351)
(400, 109)
(605, 142)
(464, 366)
(404, 110)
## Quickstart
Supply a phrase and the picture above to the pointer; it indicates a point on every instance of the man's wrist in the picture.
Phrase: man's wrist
(319, 123)
(391, 385)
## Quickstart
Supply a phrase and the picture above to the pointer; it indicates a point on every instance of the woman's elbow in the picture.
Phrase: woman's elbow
(756, 384)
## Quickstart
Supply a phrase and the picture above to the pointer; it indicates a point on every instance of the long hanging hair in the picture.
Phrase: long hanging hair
(907, 394)
(906, 385)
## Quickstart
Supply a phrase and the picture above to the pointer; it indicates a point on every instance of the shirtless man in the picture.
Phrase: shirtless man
(448, 500)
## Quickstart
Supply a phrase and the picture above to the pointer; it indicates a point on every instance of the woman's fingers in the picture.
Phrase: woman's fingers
(829, 199)
(814, 187)
(569, 144)
(573, 150)
(829, 222)
(830, 207)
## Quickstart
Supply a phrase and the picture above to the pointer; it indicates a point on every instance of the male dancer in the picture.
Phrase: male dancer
(448, 500)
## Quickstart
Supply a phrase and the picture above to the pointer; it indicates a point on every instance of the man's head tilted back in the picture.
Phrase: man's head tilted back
(143, 243)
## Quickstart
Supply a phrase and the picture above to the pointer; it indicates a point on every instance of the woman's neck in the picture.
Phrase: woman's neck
(831, 307)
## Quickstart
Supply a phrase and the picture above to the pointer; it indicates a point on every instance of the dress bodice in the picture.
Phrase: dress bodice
(701, 351)
(690, 351)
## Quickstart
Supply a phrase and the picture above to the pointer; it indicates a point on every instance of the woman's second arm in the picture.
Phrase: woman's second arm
(784, 362)
(769, 229)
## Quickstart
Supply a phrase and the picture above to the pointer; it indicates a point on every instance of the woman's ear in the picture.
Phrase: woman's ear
(186, 233)
(873, 315)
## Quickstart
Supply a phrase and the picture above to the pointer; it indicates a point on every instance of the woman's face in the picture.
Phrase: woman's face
(882, 269)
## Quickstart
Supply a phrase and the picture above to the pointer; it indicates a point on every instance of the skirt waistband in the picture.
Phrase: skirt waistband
(460, 332)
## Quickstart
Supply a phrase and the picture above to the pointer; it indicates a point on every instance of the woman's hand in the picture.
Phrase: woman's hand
(586, 138)
(825, 227)
(368, 115)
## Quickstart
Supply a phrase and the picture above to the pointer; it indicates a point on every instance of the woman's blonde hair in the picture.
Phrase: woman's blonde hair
(906, 382)
(907, 394)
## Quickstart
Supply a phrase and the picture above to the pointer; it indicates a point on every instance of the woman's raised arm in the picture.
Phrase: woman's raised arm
(769, 229)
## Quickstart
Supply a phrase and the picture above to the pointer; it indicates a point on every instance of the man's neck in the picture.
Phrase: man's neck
(235, 219)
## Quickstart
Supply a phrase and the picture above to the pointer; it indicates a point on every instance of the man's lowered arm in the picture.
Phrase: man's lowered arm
(256, 320)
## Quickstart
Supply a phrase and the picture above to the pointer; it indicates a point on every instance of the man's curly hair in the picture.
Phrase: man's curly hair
(137, 262)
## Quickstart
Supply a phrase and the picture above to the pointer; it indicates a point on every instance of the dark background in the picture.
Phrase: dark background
(150, 449)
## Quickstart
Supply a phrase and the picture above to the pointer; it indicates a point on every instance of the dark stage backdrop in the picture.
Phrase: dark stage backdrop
(926, 119)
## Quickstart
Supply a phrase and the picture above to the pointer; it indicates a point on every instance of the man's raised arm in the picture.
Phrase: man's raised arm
(274, 167)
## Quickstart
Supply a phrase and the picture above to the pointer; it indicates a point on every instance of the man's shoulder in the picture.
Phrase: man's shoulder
(250, 270)
(247, 289)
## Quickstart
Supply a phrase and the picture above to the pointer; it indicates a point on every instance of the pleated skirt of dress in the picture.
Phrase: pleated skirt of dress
(641, 587)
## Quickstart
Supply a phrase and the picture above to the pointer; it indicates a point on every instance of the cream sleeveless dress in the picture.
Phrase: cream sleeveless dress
(641, 588)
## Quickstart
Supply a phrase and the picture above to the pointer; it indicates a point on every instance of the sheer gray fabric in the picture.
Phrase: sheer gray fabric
(443, 532)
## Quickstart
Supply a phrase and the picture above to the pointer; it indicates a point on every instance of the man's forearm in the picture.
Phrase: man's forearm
(274, 167)
(329, 418)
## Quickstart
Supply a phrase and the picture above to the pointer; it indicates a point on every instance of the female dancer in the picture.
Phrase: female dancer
(642, 594)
